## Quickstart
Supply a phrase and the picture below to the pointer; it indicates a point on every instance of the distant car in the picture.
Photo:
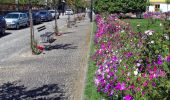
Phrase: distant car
(45, 15)
(69, 12)
(2, 25)
(36, 17)
(53, 13)
(16, 20)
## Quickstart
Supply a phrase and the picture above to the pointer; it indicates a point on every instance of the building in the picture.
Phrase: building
(159, 5)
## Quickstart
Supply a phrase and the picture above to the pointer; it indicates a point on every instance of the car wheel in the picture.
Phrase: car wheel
(17, 27)
(3, 31)
(27, 24)
(40, 21)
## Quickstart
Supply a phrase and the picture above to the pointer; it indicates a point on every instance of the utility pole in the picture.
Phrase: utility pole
(31, 26)
(91, 11)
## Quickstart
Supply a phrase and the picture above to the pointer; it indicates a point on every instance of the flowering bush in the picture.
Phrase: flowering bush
(130, 65)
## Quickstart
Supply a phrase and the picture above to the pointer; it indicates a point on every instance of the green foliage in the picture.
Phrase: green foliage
(166, 26)
(7, 1)
(119, 6)
(23, 1)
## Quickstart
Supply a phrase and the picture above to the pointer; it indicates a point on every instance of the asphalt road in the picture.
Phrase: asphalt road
(16, 41)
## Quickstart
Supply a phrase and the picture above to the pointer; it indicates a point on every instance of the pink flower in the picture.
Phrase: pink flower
(128, 55)
(162, 73)
(96, 82)
(168, 58)
(145, 83)
(132, 86)
(128, 79)
(128, 97)
(120, 86)
(151, 76)
(138, 89)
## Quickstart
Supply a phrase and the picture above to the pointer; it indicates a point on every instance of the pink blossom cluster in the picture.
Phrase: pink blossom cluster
(125, 68)
(154, 15)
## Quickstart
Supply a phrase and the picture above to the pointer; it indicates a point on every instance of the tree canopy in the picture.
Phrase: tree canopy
(120, 6)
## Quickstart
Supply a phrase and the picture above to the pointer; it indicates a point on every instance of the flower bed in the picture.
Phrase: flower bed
(131, 65)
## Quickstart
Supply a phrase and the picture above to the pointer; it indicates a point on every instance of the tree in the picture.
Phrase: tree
(120, 6)
(77, 4)
(7, 1)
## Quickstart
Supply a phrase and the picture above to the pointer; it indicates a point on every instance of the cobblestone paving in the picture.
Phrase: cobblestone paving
(56, 74)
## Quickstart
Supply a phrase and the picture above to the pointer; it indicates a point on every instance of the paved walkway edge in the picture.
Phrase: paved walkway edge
(87, 64)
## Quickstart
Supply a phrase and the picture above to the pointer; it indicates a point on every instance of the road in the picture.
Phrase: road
(16, 41)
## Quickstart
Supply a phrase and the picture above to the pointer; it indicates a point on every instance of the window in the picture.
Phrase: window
(24, 16)
(157, 7)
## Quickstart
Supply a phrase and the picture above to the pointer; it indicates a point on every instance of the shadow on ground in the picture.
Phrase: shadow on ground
(67, 32)
(11, 91)
(61, 46)
(5, 34)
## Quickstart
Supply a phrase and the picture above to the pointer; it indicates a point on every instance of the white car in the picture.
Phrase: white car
(53, 13)
(16, 20)
(69, 12)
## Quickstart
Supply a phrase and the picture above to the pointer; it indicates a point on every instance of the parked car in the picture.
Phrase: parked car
(45, 15)
(2, 25)
(16, 20)
(53, 13)
(36, 17)
(69, 12)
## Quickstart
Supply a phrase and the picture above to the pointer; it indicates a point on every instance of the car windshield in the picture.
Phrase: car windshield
(68, 9)
(43, 13)
(12, 16)
(52, 11)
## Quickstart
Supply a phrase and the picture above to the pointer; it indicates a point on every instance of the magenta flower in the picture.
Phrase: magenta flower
(159, 62)
(128, 55)
(143, 93)
(114, 58)
(128, 97)
(153, 84)
(120, 86)
(168, 58)
(145, 83)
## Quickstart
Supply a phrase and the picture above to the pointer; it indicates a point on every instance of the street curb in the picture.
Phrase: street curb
(87, 64)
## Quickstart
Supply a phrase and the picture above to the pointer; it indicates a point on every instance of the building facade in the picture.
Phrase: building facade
(159, 5)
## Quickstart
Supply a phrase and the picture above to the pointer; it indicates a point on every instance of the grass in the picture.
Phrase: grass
(145, 25)
(90, 89)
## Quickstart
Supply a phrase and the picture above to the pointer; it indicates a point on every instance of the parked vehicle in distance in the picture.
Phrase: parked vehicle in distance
(16, 20)
(69, 12)
(53, 13)
(35, 17)
(2, 25)
(45, 15)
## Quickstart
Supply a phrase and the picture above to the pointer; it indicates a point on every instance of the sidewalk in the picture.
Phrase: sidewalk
(57, 74)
